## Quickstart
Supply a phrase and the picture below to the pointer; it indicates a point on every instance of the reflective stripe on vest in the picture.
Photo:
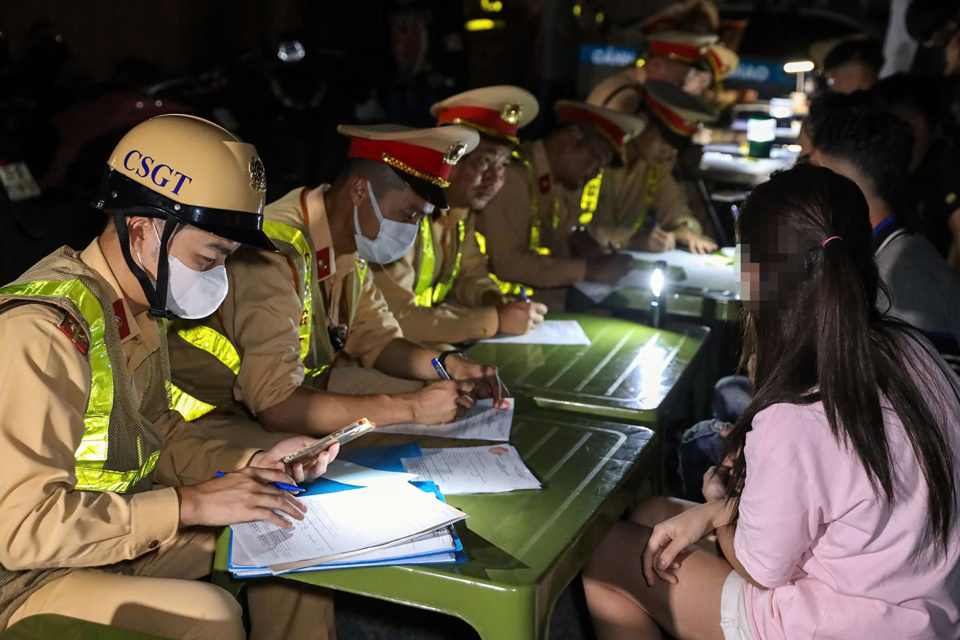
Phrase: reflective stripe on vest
(303, 263)
(590, 198)
(507, 288)
(653, 180)
(427, 294)
(91, 456)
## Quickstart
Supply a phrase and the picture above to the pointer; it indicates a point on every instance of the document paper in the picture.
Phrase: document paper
(488, 469)
(562, 332)
(436, 543)
(356, 475)
(345, 523)
(482, 422)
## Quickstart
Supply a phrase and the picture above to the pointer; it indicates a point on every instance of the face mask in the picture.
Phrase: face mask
(393, 241)
(192, 295)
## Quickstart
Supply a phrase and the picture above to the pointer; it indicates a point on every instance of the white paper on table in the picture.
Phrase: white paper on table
(356, 475)
(438, 541)
(488, 469)
(596, 291)
(481, 422)
(562, 332)
(347, 522)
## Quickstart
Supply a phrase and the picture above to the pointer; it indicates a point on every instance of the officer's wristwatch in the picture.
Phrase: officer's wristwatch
(442, 358)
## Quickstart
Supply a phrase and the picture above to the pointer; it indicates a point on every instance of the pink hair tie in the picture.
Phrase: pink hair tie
(831, 238)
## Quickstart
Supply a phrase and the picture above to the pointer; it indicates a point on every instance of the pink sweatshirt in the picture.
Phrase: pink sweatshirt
(838, 561)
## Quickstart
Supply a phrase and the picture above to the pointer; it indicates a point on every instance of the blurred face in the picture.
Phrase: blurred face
(654, 148)
(666, 70)
(478, 177)
(580, 158)
(697, 81)
(850, 77)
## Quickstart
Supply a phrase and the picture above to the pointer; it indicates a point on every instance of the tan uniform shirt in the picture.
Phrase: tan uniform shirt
(628, 197)
(262, 312)
(44, 384)
(461, 316)
(506, 223)
(623, 91)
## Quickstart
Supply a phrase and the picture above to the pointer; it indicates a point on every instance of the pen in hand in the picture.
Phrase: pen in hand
(439, 368)
(292, 488)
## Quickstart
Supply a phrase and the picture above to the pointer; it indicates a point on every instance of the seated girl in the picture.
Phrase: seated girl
(838, 518)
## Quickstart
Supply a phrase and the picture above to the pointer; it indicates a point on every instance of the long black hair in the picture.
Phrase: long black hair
(813, 319)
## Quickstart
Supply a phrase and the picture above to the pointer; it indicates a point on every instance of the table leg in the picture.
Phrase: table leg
(515, 617)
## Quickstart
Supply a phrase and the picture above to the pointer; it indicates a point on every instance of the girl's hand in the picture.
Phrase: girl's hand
(663, 554)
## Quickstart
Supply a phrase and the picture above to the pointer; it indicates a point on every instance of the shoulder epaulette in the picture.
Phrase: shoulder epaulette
(72, 328)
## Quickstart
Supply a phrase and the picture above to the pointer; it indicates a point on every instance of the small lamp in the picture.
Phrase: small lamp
(659, 301)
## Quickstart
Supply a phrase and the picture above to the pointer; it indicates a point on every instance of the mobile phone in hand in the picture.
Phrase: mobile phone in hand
(343, 436)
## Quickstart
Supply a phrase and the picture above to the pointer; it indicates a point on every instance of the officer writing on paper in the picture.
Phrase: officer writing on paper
(301, 323)
(528, 224)
(107, 497)
(643, 207)
(441, 291)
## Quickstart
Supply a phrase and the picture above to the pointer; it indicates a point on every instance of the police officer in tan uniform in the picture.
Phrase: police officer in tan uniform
(108, 498)
(690, 61)
(643, 207)
(528, 224)
(293, 317)
(441, 291)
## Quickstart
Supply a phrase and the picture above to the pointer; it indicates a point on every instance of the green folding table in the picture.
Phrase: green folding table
(629, 372)
(48, 626)
(524, 547)
(703, 288)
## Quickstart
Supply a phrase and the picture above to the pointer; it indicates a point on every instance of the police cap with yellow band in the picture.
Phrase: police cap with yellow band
(498, 112)
(421, 157)
(676, 113)
(183, 169)
(617, 127)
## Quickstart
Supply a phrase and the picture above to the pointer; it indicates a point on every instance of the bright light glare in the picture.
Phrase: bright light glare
(483, 24)
(656, 282)
(801, 66)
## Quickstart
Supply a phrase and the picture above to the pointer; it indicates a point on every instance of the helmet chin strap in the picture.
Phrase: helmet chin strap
(156, 295)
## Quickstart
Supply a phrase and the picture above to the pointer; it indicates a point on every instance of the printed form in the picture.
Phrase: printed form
(488, 469)
(482, 422)
(345, 523)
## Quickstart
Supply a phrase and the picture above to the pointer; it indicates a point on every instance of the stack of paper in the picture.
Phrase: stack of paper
(384, 523)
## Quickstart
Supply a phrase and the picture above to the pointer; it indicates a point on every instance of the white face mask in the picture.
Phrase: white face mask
(192, 295)
(394, 239)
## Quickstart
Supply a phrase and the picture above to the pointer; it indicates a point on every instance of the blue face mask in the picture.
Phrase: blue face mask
(393, 241)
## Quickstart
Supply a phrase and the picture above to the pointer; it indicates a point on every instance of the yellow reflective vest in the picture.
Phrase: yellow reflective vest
(119, 449)
(427, 293)
(316, 350)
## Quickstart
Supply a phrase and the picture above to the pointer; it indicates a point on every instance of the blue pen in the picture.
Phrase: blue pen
(279, 485)
(523, 294)
(440, 370)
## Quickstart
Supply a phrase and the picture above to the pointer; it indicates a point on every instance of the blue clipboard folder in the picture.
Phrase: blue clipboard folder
(442, 546)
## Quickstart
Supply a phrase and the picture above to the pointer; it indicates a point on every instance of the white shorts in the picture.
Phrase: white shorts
(733, 610)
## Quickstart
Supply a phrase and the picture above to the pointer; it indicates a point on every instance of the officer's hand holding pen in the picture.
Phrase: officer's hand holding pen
(485, 378)
(242, 496)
